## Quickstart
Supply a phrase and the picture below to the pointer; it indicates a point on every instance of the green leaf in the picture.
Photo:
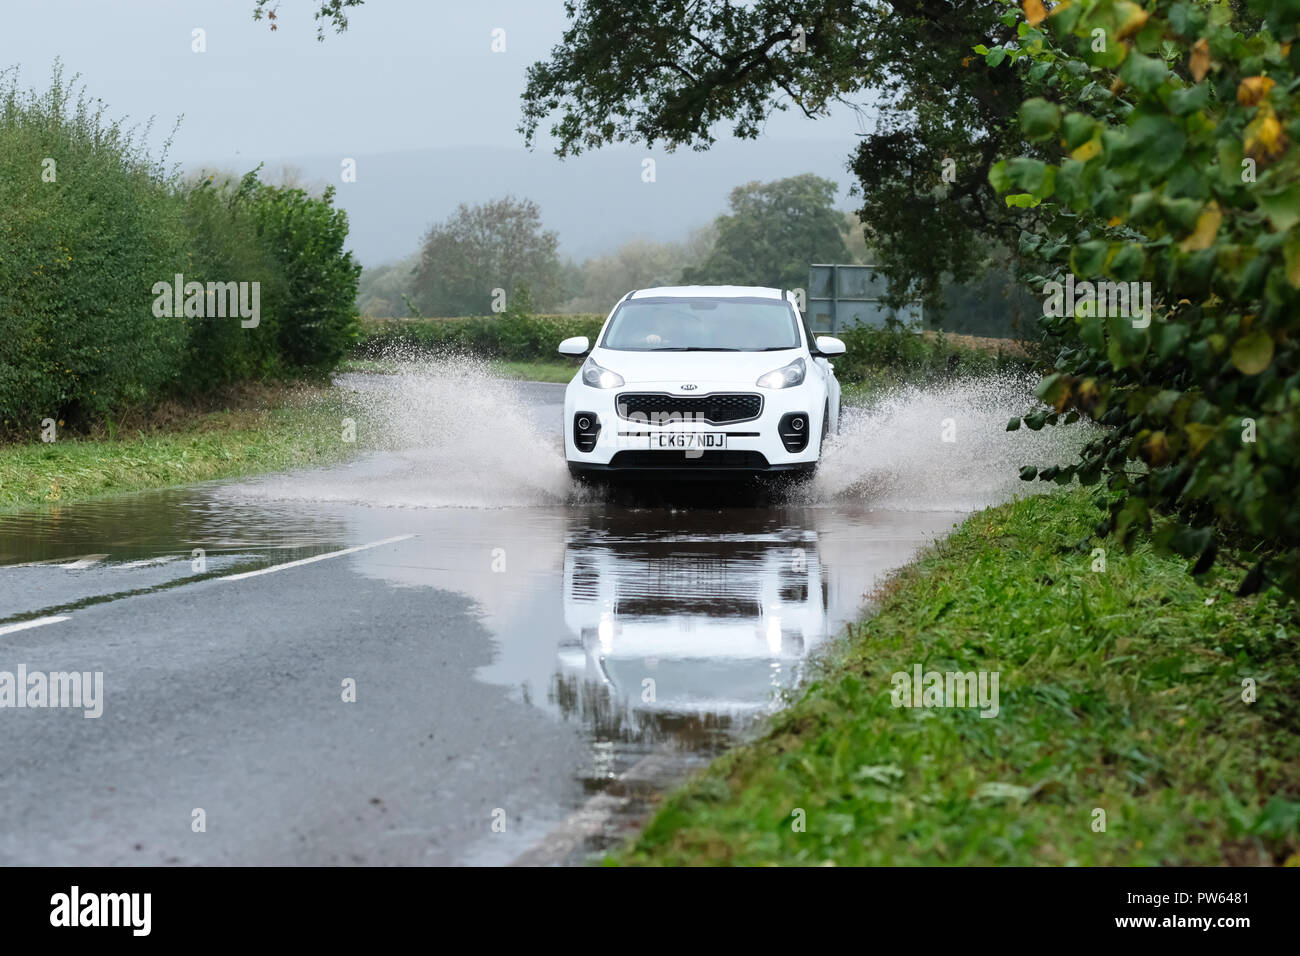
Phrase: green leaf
(1155, 143)
(1189, 99)
(1253, 353)
(1128, 262)
(1055, 390)
(1088, 258)
(1282, 208)
(1078, 129)
(1031, 175)
(1039, 119)
(1143, 73)
(998, 177)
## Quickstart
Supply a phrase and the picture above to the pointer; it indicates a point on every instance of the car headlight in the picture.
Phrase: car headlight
(597, 377)
(785, 377)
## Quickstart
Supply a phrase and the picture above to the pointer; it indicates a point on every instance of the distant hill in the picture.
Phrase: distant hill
(595, 202)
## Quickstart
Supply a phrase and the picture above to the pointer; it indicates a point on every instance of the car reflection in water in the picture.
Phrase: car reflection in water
(686, 638)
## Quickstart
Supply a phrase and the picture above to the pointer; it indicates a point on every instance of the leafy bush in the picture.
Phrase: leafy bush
(89, 226)
(915, 358)
(92, 224)
(220, 222)
(1165, 155)
(306, 235)
(510, 336)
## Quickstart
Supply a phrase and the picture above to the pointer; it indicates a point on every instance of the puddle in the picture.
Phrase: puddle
(659, 632)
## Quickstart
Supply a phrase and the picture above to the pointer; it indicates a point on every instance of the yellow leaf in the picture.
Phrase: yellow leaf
(1207, 227)
(1115, 221)
(1253, 89)
(1135, 19)
(1198, 436)
(1264, 140)
(1087, 150)
(1034, 12)
(1291, 256)
(1155, 450)
(1200, 61)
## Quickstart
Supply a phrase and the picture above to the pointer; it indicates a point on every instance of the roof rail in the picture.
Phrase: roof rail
(629, 295)
(783, 295)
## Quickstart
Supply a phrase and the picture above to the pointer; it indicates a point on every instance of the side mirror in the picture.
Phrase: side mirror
(578, 345)
(829, 345)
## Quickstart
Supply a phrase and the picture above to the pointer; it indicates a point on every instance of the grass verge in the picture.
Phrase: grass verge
(561, 372)
(1119, 690)
(283, 428)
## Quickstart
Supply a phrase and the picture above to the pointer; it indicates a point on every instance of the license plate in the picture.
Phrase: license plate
(689, 441)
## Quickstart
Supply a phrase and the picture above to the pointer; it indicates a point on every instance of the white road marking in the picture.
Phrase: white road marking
(80, 561)
(146, 562)
(319, 557)
(34, 622)
(84, 562)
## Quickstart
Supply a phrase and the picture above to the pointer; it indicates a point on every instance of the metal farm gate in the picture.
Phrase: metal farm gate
(842, 296)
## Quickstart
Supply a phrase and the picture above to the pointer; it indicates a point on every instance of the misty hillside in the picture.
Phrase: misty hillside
(595, 201)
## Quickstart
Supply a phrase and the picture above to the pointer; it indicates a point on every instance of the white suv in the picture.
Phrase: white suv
(701, 382)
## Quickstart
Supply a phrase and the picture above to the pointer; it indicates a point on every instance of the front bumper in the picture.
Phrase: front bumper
(622, 447)
(675, 466)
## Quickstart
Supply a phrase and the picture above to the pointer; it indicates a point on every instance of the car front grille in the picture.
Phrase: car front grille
(723, 408)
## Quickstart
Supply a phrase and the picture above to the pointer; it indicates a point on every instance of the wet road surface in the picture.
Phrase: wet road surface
(507, 664)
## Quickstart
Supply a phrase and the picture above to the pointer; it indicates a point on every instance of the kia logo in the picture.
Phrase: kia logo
(689, 388)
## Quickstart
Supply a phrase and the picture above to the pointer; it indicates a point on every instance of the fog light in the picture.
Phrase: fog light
(793, 429)
(586, 428)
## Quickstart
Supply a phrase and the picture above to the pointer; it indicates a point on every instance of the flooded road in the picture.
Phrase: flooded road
(410, 659)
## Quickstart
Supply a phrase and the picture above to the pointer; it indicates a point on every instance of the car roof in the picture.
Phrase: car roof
(708, 292)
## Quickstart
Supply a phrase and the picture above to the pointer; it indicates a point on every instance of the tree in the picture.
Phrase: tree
(639, 264)
(1162, 166)
(379, 294)
(307, 235)
(495, 245)
(773, 233)
(329, 12)
(679, 68)
(671, 71)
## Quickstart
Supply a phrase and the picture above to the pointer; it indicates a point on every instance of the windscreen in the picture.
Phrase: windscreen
(683, 324)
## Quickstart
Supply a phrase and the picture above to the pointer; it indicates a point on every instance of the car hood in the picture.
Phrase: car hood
(730, 368)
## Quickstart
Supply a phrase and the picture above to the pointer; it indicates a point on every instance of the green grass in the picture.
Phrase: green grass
(561, 372)
(291, 431)
(546, 371)
(1119, 690)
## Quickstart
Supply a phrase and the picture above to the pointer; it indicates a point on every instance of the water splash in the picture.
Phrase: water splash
(448, 434)
(894, 455)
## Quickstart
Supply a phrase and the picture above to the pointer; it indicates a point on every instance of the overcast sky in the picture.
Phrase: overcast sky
(408, 74)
